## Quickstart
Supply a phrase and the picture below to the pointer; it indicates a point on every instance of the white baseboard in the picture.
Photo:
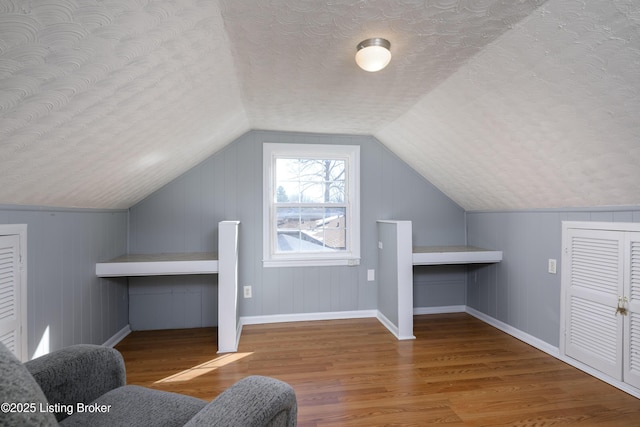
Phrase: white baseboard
(516, 333)
(332, 315)
(387, 324)
(595, 373)
(119, 336)
(307, 317)
(439, 310)
(392, 328)
(359, 314)
(552, 351)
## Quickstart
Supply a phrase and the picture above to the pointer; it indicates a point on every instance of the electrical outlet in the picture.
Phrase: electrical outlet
(552, 266)
(247, 291)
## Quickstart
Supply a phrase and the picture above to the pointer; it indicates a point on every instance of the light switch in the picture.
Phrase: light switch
(371, 275)
(552, 266)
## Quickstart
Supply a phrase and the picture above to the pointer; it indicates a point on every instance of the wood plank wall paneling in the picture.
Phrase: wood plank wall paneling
(459, 371)
(519, 291)
(228, 185)
(67, 303)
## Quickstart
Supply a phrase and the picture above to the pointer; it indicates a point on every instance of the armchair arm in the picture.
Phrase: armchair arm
(254, 401)
(79, 373)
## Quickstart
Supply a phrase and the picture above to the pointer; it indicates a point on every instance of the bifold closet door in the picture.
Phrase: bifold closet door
(593, 330)
(632, 320)
(11, 293)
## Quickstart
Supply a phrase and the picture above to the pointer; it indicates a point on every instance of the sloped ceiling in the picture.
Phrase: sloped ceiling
(501, 104)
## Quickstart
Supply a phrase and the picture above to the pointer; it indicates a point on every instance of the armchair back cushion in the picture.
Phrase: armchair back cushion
(20, 390)
(77, 374)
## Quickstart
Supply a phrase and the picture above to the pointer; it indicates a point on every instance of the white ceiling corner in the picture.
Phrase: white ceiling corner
(501, 104)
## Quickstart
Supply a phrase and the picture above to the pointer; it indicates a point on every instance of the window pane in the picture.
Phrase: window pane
(288, 229)
(310, 181)
(311, 169)
(286, 169)
(287, 182)
(311, 229)
(311, 189)
(334, 229)
(287, 192)
(312, 192)
(288, 218)
(336, 170)
(336, 191)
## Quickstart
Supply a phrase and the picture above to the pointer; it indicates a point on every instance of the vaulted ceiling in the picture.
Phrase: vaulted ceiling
(501, 104)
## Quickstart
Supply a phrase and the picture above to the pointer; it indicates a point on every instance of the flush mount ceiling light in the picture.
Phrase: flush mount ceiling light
(373, 54)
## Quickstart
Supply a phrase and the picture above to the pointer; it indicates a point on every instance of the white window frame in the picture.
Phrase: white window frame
(350, 153)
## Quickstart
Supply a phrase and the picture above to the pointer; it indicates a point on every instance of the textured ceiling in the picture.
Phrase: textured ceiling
(102, 103)
(502, 104)
(546, 116)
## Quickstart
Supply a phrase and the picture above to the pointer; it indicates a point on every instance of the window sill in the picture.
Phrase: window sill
(332, 262)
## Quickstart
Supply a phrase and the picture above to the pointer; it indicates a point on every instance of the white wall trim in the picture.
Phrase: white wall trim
(393, 328)
(595, 373)
(361, 314)
(552, 351)
(307, 317)
(439, 310)
(330, 315)
(351, 155)
(387, 324)
(516, 333)
(117, 337)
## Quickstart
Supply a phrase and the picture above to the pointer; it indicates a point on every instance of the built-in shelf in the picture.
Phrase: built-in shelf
(159, 265)
(224, 264)
(440, 255)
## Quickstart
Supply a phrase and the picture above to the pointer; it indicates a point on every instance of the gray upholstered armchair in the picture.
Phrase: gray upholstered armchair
(84, 385)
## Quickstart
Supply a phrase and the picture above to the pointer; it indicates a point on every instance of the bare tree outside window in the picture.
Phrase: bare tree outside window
(310, 204)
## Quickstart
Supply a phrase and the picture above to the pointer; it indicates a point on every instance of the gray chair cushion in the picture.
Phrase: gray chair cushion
(18, 386)
(265, 402)
(77, 374)
(138, 406)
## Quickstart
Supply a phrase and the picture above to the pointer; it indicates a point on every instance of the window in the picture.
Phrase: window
(311, 205)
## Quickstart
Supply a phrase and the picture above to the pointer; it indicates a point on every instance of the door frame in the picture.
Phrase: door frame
(21, 231)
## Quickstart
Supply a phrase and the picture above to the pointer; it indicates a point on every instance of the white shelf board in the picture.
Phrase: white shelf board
(442, 255)
(159, 265)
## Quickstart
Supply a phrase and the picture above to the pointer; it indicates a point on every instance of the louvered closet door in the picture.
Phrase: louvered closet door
(10, 316)
(593, 331)
(632, 320)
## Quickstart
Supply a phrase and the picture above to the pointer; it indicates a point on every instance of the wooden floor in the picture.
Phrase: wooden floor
(459, 371)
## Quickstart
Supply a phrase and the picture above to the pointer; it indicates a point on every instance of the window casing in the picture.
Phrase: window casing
(311, 213)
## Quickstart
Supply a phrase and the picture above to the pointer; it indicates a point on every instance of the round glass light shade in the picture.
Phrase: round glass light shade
(373, 54)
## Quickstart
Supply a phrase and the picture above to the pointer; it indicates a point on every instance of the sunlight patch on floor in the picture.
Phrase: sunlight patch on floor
(204, 368)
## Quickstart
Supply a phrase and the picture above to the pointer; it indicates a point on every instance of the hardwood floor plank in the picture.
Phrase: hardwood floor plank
(458, 371)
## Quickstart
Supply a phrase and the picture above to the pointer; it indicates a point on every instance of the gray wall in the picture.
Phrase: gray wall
(388, 272)
(183, 216)
(63, 292)
(519, 291)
